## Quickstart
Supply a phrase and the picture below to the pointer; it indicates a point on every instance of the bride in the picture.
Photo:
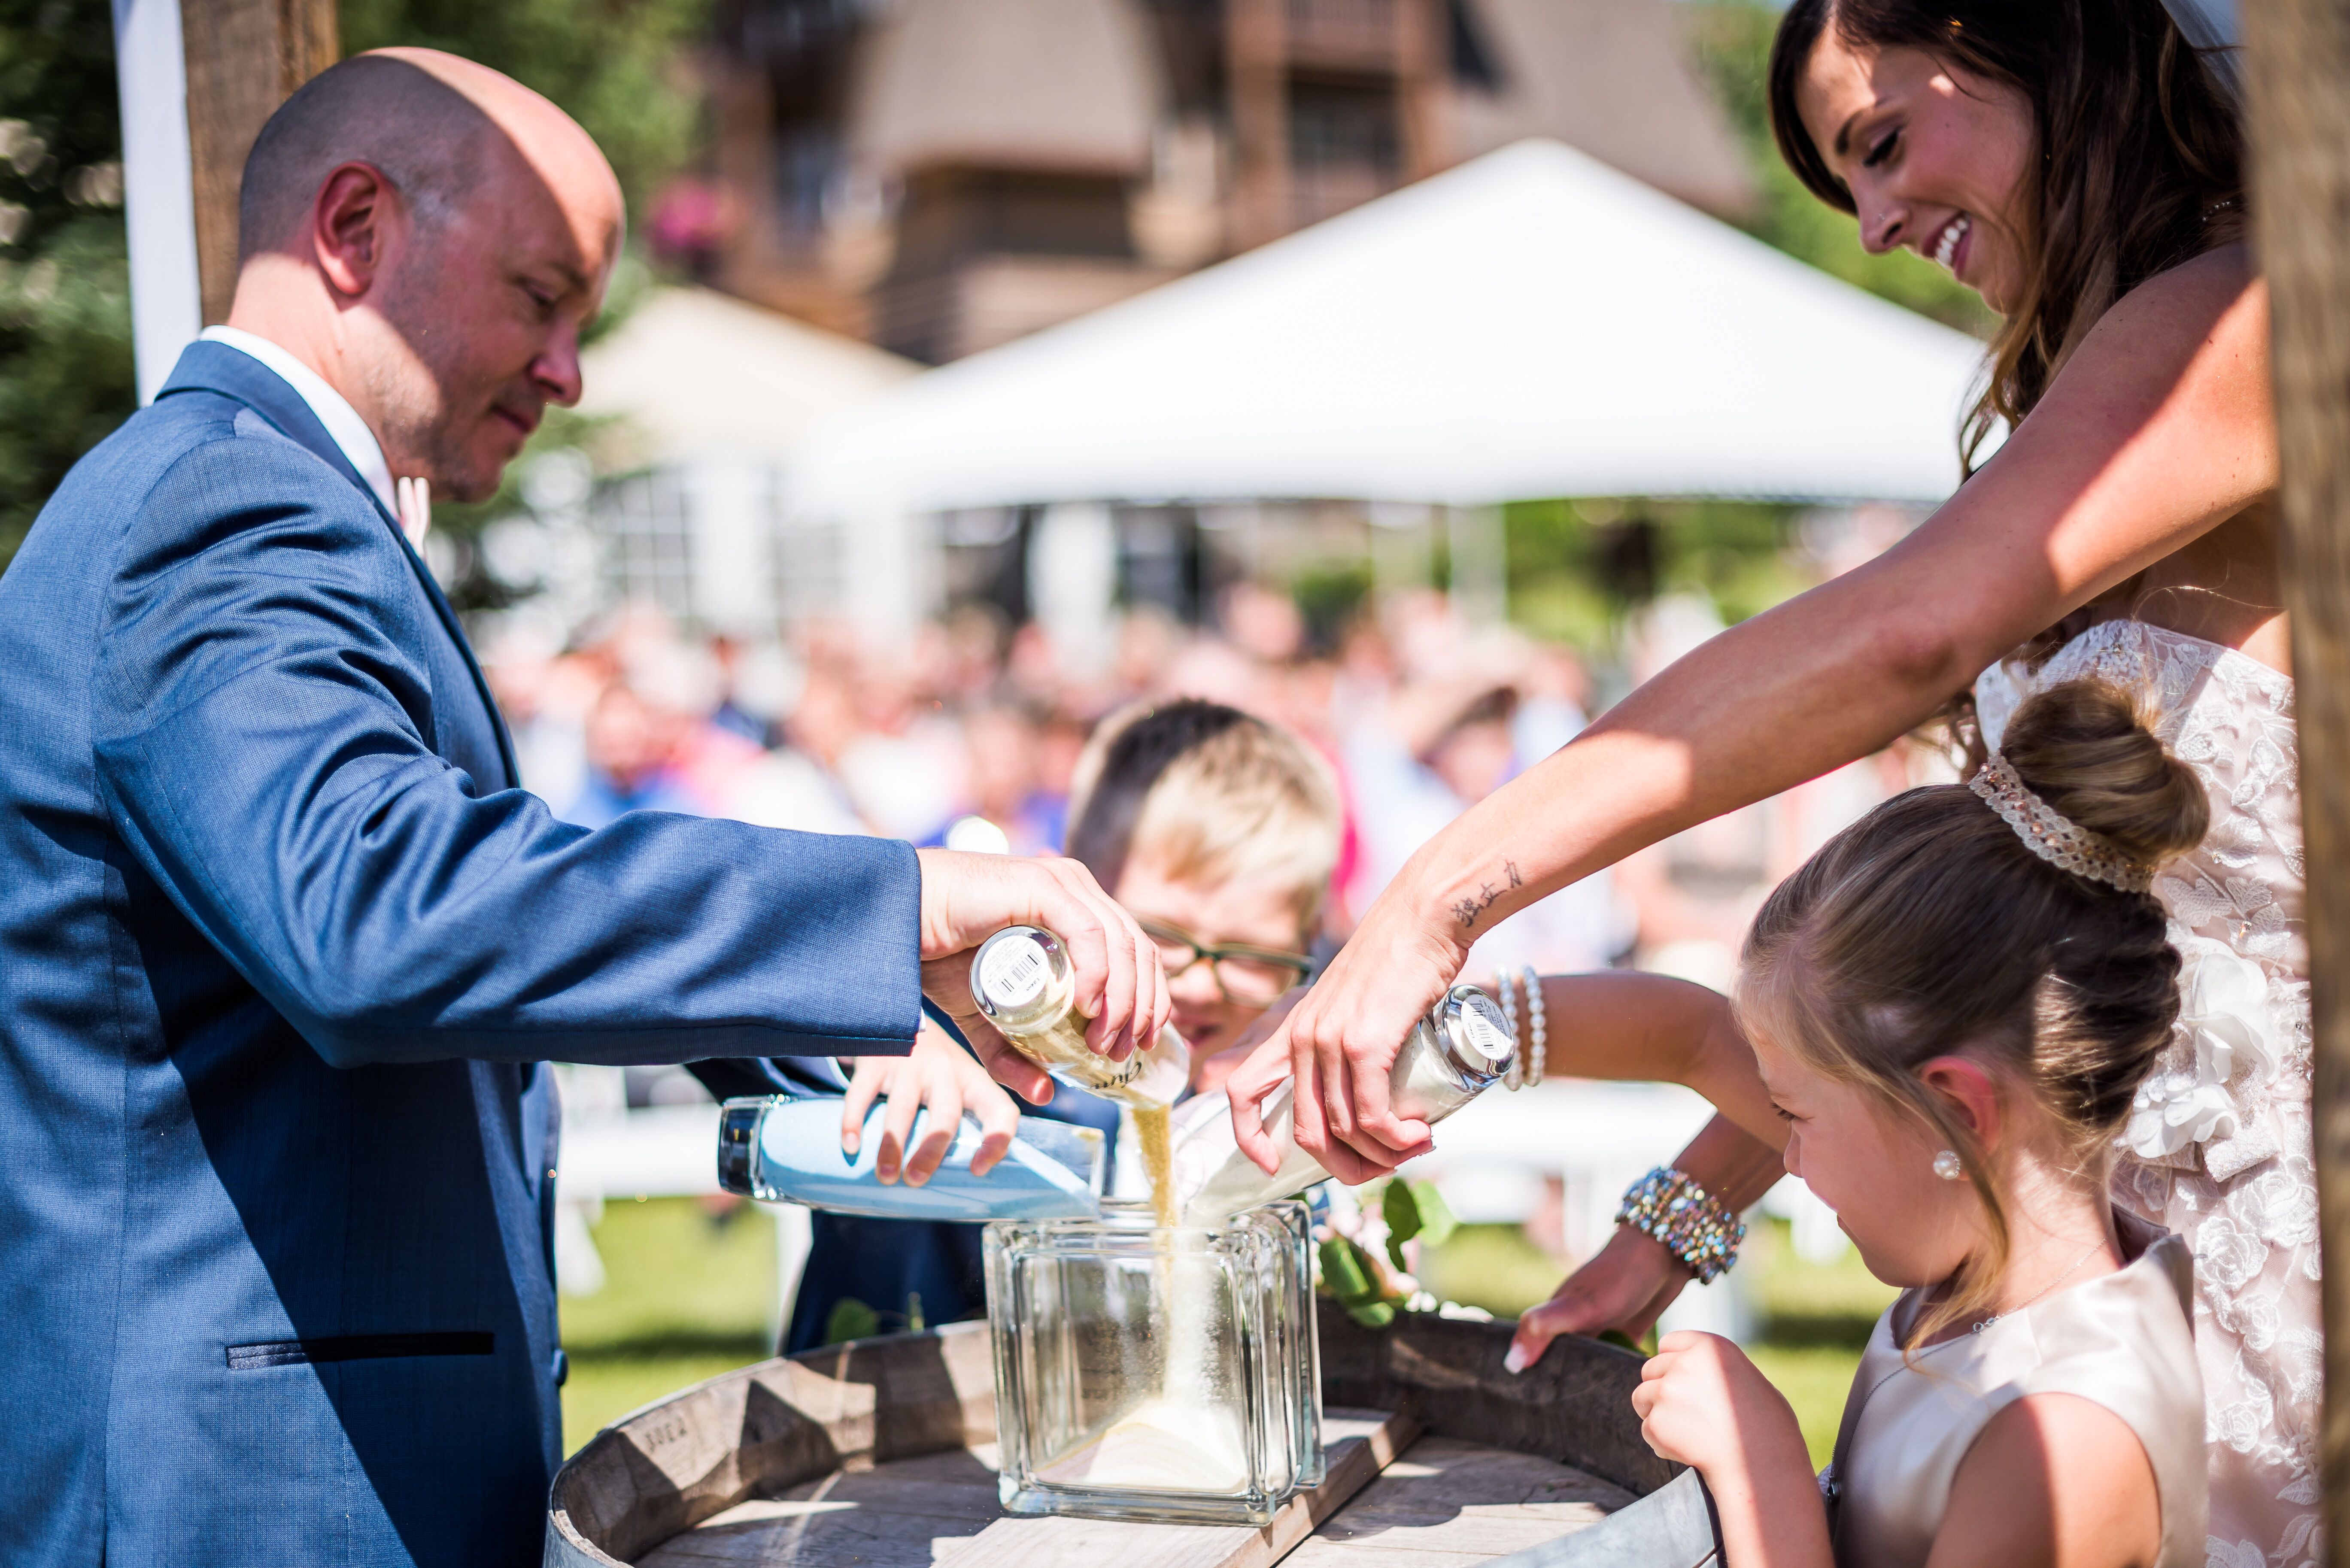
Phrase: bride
(2077, 163)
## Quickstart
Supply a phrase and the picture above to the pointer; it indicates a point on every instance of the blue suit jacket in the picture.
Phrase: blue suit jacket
(280, 941)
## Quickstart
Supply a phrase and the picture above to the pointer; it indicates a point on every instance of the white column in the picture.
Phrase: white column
(158, 187)
(1480, 590)
(892, 569)
(1073, 581)
(731, 508)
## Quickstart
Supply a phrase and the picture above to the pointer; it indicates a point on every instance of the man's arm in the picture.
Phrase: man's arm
(260, 734)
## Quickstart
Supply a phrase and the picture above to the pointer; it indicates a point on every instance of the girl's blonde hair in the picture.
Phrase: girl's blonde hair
(1207, 794)
(1928, 929)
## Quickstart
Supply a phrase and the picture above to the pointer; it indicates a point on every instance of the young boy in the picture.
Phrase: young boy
(1218, 832)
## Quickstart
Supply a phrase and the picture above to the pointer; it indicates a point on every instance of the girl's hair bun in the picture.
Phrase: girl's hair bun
(2083, 747)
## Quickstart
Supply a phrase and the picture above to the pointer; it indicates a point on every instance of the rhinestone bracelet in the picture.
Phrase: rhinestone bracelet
(1695, 1228)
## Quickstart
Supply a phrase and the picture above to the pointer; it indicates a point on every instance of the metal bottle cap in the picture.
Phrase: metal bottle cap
(1475, 1034)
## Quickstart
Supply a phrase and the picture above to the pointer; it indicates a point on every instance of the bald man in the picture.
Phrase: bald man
(282, 941)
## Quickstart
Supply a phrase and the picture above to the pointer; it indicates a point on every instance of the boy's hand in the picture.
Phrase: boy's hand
(938, 1075)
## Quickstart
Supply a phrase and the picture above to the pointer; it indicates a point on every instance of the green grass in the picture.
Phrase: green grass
(685, 1298)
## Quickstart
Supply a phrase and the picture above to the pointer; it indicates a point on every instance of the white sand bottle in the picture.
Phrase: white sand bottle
(1459, 1050)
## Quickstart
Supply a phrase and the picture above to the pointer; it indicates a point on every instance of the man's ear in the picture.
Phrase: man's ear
(1968, 1092)
(350, 222)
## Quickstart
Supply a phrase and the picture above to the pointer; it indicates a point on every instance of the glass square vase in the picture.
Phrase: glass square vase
(1154, 1374)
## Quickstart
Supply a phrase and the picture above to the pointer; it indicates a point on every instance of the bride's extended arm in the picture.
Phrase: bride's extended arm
(2158, 429)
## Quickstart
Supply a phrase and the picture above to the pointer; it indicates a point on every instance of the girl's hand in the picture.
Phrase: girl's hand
(1702, 1404)
(940, 1076)
(1625, 1286)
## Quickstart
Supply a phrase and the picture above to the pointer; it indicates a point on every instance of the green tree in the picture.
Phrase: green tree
(66, 372)
(65, 377)
(614, 66)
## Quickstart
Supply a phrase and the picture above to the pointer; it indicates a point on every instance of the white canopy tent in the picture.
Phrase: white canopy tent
(1531, 324)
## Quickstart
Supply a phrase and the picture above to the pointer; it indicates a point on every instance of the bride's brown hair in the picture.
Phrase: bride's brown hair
(1928, 929)
(2141, 165)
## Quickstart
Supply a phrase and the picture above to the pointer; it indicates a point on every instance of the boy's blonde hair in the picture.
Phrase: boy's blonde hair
(1207, 794)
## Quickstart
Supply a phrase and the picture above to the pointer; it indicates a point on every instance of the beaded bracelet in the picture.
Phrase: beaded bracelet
(1701, 1234)
(1527, 1066)
(1537, 1015)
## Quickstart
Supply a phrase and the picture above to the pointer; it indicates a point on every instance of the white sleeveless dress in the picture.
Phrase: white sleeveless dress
(2120, 1341)
(2218, 1147)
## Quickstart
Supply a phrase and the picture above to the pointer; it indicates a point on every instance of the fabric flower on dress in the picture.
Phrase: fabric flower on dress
(2224, 1014)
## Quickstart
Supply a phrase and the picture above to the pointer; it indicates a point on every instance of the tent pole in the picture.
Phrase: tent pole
(158, 201)
(2299, 77)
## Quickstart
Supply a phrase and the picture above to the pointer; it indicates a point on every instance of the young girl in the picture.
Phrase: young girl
(1943, 1018)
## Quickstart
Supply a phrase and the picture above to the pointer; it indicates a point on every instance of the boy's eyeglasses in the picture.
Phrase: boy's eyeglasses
(1248, 976)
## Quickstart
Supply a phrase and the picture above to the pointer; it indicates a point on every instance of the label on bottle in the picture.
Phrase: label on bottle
(1014, 973)
(1485, 1033)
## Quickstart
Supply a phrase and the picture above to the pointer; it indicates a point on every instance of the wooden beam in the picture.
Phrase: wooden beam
(2298, 55)
(244, 58)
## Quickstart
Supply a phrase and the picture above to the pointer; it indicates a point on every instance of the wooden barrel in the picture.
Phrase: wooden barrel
(871, 1452)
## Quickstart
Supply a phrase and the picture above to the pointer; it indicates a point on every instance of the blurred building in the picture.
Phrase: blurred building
(940, 176)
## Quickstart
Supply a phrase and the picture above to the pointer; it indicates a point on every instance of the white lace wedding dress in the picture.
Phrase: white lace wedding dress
(2218, 1147)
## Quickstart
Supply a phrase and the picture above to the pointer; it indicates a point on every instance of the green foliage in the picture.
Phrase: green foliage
(1414, 1210)
(1576, 568)
(1733, 48)
(612, 65)
(1349, 1275)
(850, 1319)
(65, 377)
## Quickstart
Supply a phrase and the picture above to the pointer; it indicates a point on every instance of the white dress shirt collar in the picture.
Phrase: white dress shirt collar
(343, 424)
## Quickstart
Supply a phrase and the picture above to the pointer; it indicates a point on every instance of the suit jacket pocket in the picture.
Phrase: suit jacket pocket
(355, 1347)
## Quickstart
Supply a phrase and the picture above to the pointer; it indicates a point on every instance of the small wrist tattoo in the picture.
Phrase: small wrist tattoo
(1468, 909)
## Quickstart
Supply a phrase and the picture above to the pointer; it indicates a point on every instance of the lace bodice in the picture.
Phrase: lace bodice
(2217, 1145)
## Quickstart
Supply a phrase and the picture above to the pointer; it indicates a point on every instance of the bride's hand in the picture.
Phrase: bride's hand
(1625, 1286)
(1339, 1043)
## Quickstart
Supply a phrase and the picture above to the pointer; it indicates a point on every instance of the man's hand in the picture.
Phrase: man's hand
(1627, 1286)
(1121, 987)
(937, 1075)
(1339, 1043)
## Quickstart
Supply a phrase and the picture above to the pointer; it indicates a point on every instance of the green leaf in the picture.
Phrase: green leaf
(1415, 1210)
(1343, 1271)
(1436, 1222)
(1402, 1215)
(850, 1319)
(1373, 1314)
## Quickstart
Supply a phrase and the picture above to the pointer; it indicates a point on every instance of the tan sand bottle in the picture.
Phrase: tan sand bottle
(1021, 980)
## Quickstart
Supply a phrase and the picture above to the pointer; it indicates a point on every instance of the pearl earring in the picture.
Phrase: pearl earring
(1947, 1166)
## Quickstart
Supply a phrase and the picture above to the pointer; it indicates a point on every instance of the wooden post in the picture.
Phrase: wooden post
(2298, 55)
(244, 58)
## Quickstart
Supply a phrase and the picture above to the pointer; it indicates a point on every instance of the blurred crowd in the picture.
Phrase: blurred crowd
(966, 735)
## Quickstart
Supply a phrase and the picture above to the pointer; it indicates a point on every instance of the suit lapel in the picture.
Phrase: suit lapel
(232, 373)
